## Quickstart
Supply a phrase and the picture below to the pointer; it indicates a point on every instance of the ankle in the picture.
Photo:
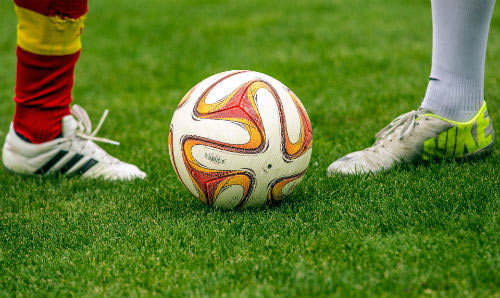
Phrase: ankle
(38, 125)
(453, 97)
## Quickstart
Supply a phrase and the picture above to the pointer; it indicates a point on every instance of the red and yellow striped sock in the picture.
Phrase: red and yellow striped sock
(48, 40)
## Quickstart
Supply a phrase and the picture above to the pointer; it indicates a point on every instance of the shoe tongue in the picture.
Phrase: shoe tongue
(68, 126)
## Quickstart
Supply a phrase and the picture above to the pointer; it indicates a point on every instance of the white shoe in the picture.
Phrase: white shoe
(420, 135)
(73, 153)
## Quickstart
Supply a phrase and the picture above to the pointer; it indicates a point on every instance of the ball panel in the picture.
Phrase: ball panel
(215, 158)
(229, 197)
(200, 89)
(292, 120)
(231, 190)
(205, 178)
(186, 97)
(231, 133)
(224, 87)
(294, 150)
(170, 146)
(293, 146)
(206, 87)
(179, 165)
(238, 107)
(283, 186)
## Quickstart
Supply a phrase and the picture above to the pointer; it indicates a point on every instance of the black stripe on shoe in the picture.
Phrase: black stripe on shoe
(86, 166)
(71, 163)
(49, 164)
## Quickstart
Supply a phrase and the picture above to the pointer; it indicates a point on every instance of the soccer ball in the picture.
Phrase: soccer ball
(240, 139)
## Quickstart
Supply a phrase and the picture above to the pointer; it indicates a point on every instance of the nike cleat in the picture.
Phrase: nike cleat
(420, 135)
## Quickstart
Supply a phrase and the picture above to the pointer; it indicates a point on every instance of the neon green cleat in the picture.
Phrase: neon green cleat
(420, 135)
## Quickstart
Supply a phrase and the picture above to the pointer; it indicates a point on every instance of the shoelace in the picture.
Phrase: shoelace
(408, 122)
(84, 125)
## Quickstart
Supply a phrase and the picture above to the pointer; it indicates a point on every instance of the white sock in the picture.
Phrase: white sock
(460, 35)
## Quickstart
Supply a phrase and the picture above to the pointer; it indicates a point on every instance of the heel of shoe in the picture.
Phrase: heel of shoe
(481, 152)
(12, 162)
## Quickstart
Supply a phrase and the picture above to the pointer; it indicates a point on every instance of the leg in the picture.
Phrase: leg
(45, 137)
(45, 64)
(460, 35)
(453, 121)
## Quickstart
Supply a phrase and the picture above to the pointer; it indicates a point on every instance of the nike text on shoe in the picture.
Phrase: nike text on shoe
(420, 135)
(73, 153)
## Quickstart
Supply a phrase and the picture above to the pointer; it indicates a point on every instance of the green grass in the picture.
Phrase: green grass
(430, 230)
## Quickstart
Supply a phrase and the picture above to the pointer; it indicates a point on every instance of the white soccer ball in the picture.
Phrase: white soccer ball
(240, 139)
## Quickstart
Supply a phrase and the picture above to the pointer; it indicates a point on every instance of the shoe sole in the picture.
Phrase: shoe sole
(477, 154)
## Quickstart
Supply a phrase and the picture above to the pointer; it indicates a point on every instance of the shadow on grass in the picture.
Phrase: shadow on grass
(64, 187)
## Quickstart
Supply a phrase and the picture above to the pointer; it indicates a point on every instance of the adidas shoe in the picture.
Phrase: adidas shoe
(73, 153)
(420, 135)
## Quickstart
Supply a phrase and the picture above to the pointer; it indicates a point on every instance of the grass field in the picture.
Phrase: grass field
(431, 230)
